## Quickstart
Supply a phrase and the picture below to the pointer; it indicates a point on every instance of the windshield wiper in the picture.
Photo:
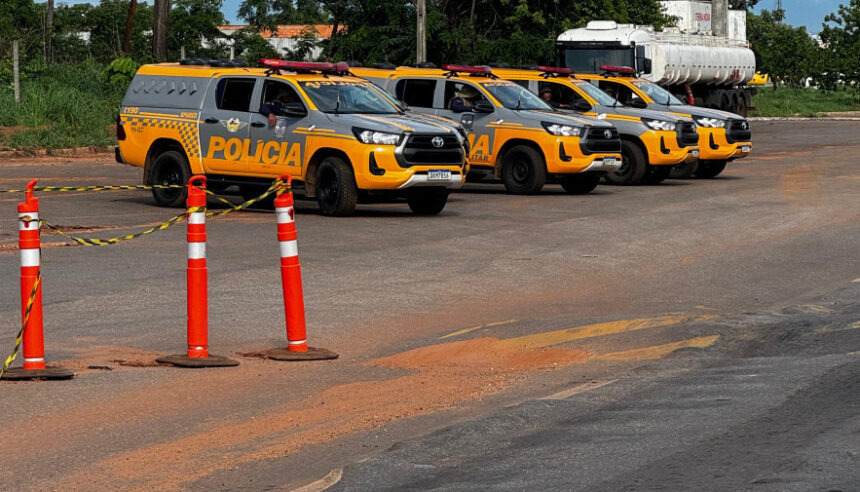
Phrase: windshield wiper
(337, 102)
(519, 101)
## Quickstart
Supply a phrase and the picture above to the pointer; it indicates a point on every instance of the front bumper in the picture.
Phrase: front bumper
(423, 179)
(663, 148)
(606, 164)
(378, 168)
(713, 146)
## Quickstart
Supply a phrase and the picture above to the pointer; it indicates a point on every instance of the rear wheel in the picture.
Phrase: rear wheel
(427, 201)
(579, 184)
(684, 171)
(170, 168)
(710, 169)
(336, 190)
(523, 170)
(633, 165)
(656, 174)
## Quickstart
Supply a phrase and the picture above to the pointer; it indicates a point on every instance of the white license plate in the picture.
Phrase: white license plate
(746, 148)
(439, 175)
(608, 161)
(695, 153)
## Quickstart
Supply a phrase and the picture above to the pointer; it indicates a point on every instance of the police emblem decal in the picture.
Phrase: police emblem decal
(233, 125)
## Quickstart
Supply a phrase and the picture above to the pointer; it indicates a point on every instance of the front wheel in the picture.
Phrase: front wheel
(336, 190)
(169, 169)
(427, 201)
(710, 169)
(523, 170)
(633, 165)
(580, 184)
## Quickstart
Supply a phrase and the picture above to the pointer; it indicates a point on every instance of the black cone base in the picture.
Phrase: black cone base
(21, 374)
(182, 360)
(313, 353)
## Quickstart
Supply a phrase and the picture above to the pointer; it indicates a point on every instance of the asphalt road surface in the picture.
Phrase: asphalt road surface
(693, 335)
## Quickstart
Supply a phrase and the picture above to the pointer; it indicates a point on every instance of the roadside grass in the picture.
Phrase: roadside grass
(62, 106)
(803, 101)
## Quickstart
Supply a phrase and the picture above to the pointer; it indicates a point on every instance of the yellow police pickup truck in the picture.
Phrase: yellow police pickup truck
(652, 142)
(513, 135)
(723, 136)
(340, 137)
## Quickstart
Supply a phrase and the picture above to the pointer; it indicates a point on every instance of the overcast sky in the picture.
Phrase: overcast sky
(798, 12)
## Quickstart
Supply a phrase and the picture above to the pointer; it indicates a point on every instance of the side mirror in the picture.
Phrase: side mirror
(646, 66)
(483, 106)
(638, 104)
(582, 105)
(468, 121)
(294, 110)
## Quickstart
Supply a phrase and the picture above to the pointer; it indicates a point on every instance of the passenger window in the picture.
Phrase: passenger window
(416, 92)
(233, 94)
(458, 90)
(523, 83)
(277, 92)
(623, 93)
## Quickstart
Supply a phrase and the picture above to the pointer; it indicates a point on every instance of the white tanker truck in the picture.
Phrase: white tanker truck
(689, 60)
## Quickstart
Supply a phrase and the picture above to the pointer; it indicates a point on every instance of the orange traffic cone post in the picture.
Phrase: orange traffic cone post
(198, 319)
(291, 279)
(29, 243)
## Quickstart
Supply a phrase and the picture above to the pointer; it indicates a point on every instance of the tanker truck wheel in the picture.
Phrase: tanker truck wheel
(710, 169)
(633, 166)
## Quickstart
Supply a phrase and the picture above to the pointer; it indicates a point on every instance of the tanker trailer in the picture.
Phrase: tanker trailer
(689, 61)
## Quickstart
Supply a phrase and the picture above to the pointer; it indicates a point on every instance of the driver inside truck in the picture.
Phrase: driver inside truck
(464, 99)
(275, 105)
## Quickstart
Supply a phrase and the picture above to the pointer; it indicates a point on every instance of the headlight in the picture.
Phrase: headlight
(374, 137)
(562, 130)
(659, 124)
(711, 122)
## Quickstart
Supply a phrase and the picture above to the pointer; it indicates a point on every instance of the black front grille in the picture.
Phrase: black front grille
(738, 131)
(687, 135)
(419, 149)
(600, 140)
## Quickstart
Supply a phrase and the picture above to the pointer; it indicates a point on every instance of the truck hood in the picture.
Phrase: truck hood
(706, 112)
(390, 123)
(639, 113)
(562, 118)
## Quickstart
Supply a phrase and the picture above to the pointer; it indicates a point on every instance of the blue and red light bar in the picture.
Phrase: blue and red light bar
(300, 66)
(467, 69)
(618, 70)
(555, 70)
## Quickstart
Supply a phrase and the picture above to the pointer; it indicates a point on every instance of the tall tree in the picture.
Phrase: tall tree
(160, 29)
(841, 34)
(129, 23)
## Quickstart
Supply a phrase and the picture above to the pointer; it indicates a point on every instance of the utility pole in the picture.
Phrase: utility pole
(159, 29)
(16, 81)
(49, 31)
(420, 33)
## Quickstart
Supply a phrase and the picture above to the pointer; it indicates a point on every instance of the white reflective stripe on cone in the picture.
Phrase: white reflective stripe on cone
(197, 218)
(284, 216)
(37, 359)
(30, 257)
(289, 249)
(28, 225)
(196, 251)
(297, 342)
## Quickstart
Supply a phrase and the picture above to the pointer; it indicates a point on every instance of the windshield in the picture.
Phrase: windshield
(513, 96)
(341, 96)
(598, 95)
(657, 93)
(587, 60)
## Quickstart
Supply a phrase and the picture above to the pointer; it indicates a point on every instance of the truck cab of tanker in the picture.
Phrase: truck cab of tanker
(652, 142)
(723, 136)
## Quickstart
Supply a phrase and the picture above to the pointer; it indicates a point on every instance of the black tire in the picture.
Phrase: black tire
(336, 190)
(684, 171)
(633, 165)
(579, 184)
(427, 201)
(523, 170)
(710, 169)
(656, 174)
(170, 168)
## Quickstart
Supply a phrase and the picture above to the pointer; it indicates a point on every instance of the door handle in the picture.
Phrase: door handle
(211, 120)
(257, 124)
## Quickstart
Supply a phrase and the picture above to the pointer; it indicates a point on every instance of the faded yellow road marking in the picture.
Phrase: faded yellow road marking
(658, 351)
(468, 330)
(550, 338)
(579, 388)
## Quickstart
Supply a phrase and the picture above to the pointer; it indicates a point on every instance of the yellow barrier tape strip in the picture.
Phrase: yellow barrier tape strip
(97, 188)
(20, 336)
(106, 242)
(274, 188)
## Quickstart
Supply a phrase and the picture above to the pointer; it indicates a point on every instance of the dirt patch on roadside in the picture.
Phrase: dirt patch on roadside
(441, 376)
(59, 157)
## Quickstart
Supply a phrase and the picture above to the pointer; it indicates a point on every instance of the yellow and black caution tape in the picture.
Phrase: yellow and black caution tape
(116, 188)
(274, 188)
(106, 242)
(30, 301)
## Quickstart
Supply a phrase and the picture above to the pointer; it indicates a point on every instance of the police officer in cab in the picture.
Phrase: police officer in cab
(464, 99)
(276, 105)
